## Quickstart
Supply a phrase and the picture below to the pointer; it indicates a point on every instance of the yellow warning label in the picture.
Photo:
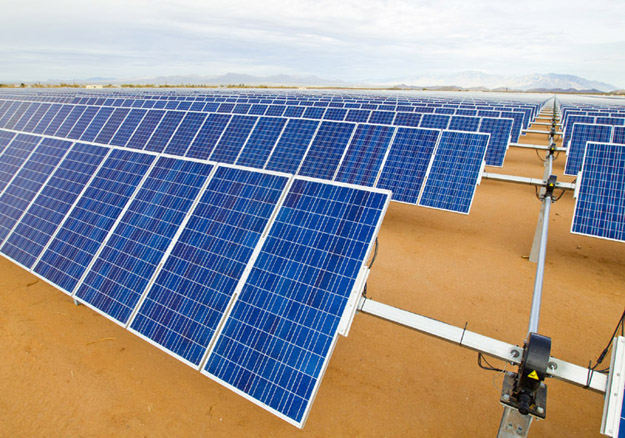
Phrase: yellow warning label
(533, 375)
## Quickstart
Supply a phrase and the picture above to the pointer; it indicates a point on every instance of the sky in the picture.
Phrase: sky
(367, 41)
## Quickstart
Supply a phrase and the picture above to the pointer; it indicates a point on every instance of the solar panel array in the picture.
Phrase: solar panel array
(282, 135)
(241, 273)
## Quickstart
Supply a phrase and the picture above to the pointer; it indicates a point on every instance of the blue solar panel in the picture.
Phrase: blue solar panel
(337, 114)
(571, 121)
(129, 126)
(36, 118)
(358, 116)
(185, 134)
(5, 139)
(58, 119)
(261, 142)
(407, 163)
(46, 119)
(464, 123)
(288, 153)
(233, 139)
(165, 131)
(600, 205)
(436, 121)
(296, 111)
(615, 121)
(517, 125)
(276, 342)
(28, 181)
(408, 119)
(82, 123)
(111, 126)
(499, 130)
(327, 149)
(275, 110)
(312, 113)
(14, 157)
(583, 133)
(129, 258)
(206, 139)
(70, 121)
(364, 155)
(28, 114)
(96, 124)
(47, 211)
(191, 293)
(382, 117)
(450, 184)
(78, 239)
(145, 130)
(16, 115)
(618, 135)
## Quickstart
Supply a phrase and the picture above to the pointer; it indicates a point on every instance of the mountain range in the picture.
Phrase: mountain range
(467, 80)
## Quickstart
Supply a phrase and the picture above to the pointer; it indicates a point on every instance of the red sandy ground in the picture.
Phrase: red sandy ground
(66, 371)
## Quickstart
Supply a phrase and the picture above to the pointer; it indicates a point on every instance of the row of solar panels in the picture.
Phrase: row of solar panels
(408, 161)
(21, 112)
(567, 129)
(568, 110)
(243, 274)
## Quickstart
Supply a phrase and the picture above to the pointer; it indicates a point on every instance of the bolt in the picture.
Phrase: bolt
(553, 366)
(514, 353)
(540, 410)
(542, 384)
(506, 397)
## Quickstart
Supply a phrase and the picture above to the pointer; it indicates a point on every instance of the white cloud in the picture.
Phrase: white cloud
(351, 40)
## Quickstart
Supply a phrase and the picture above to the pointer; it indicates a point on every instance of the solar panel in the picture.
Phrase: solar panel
(278, 338)
(292, 146)
(18, 195)
(261, 142)
(14, 157)
(499, 130)
(41, 220)
(364, 155)
(128, 127)
(208, 136)
(618, 135)
(112, 124)
(435, 121)
(583, 133)
(130, 256)
(455, 171)
(58, 119)
(96, 124)
(70, 121)
(84, 229)
(182, 309)
(408, 119)
(82, 123)
(233, 139)
(185, 134)
(46, 119)
(145, 130)
(5, 139)
(570, 123)
(600, 205)
(326, 150)
(36, 118)
(358, 116)
(464, 123)
(28, 114)
(405, 167)
(382, 117)
(164, 131)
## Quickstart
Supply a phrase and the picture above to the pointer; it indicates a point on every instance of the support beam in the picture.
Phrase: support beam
(559, 369)
(534, 146)
(534, 131)
(525, 180)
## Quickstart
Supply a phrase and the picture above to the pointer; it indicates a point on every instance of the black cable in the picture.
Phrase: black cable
(375, 253)
(621, 323)
(488, 367)
(539, 157)
(537, 195)
(558, 198)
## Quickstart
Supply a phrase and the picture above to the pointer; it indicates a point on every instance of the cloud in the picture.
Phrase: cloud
(362, 40)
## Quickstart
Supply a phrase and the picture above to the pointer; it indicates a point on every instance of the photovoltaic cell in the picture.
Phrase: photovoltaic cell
(261, 142)
(583, 133)
(36, 118)
(313, 113)
(70, 121)
(185, 134)
(16, 115)
(44, 216)
(5, 139)
(24, 187)
(82, 123)
(165, 131)
(499, 130)
(364, 155)
(452, 180)
(46, 119)
(190, 294)
(464, 123)
(276, 342)
(288, 153)
(382, 117)
(14, 156)
(600, 205)
(571, 121)
(618, 135)
(297, 111)
(408, 119)
(80, 236)
(337, 114)
(206, 139)
(326, 150)
(130, 257)
(407, 162)
(58, 119)
(357, 115)
(28, 114)
(233, 139)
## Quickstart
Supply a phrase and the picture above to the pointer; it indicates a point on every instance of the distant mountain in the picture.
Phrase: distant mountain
(481, 80)
(245, 79)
